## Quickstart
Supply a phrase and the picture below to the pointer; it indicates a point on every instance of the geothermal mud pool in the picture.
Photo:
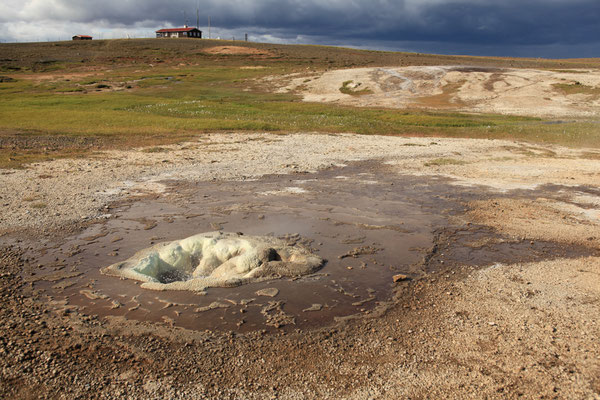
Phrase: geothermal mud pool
(367, 222)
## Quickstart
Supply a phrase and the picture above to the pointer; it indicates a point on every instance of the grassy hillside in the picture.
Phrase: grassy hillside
(99, 53)
(68, 98)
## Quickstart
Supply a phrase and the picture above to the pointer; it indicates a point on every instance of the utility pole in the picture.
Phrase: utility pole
(209, 26)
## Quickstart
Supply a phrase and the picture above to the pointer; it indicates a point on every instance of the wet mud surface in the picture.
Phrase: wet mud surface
(368, 222)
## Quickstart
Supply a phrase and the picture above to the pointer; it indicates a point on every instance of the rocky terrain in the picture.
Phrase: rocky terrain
(507, 304)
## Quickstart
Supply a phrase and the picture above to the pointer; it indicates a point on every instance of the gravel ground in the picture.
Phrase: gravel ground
(65, 191)
(510, 331)
(513, 330)
(62, 191)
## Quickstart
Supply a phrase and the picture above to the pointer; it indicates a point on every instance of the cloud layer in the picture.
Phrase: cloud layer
(547, 28)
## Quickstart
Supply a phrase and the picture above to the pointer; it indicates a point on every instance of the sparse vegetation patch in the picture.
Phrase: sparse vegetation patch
(438, 162)
(577, 88)
(354, 89)
(144, 93)
(154, 150)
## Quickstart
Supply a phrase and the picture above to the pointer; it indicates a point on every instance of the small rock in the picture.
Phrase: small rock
(115, 304)
(399, 277)
(314, 307)
(269, 292)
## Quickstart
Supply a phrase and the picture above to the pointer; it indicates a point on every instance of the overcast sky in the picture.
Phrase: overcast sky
(535, 28)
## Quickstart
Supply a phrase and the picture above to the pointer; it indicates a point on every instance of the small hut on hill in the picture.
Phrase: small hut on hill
(185, 32)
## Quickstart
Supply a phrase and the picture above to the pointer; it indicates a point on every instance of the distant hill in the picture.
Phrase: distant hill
(48, 56)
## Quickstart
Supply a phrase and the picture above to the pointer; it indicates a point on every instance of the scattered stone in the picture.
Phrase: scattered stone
(362, 302)
(55, 277)
(314, 307)
(63, 285)
(92, 294)
(275, 316)
(359, 251)
(212, 306)
(399, 277)
(269, 292)
(115, 304)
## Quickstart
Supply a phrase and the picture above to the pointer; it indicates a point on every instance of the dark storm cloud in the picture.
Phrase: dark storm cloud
(508, 27)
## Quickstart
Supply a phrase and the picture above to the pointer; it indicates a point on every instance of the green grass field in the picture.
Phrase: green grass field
(87, 96)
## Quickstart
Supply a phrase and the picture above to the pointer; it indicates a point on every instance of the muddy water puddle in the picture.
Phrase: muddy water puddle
(368, 223)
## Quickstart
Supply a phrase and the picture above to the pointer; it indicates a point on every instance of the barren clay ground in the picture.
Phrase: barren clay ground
(547, 93)
(456, 267)
(503, 300)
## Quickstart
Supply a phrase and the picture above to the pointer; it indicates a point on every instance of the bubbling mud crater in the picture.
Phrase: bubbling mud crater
(215, 259)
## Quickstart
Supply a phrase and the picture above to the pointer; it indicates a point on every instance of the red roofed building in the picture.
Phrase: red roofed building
(185, 32)
(82, 37)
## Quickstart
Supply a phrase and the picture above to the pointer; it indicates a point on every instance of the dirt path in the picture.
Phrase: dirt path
(505, 305)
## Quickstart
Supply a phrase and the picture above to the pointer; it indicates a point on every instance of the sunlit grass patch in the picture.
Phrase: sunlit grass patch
(168, 104)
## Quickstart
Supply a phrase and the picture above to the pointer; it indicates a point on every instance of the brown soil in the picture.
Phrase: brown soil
(538, 219)
(58, 76)
(444, 100)
(236, 50)
(503, 303)
(108, 54)
(522, 330)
